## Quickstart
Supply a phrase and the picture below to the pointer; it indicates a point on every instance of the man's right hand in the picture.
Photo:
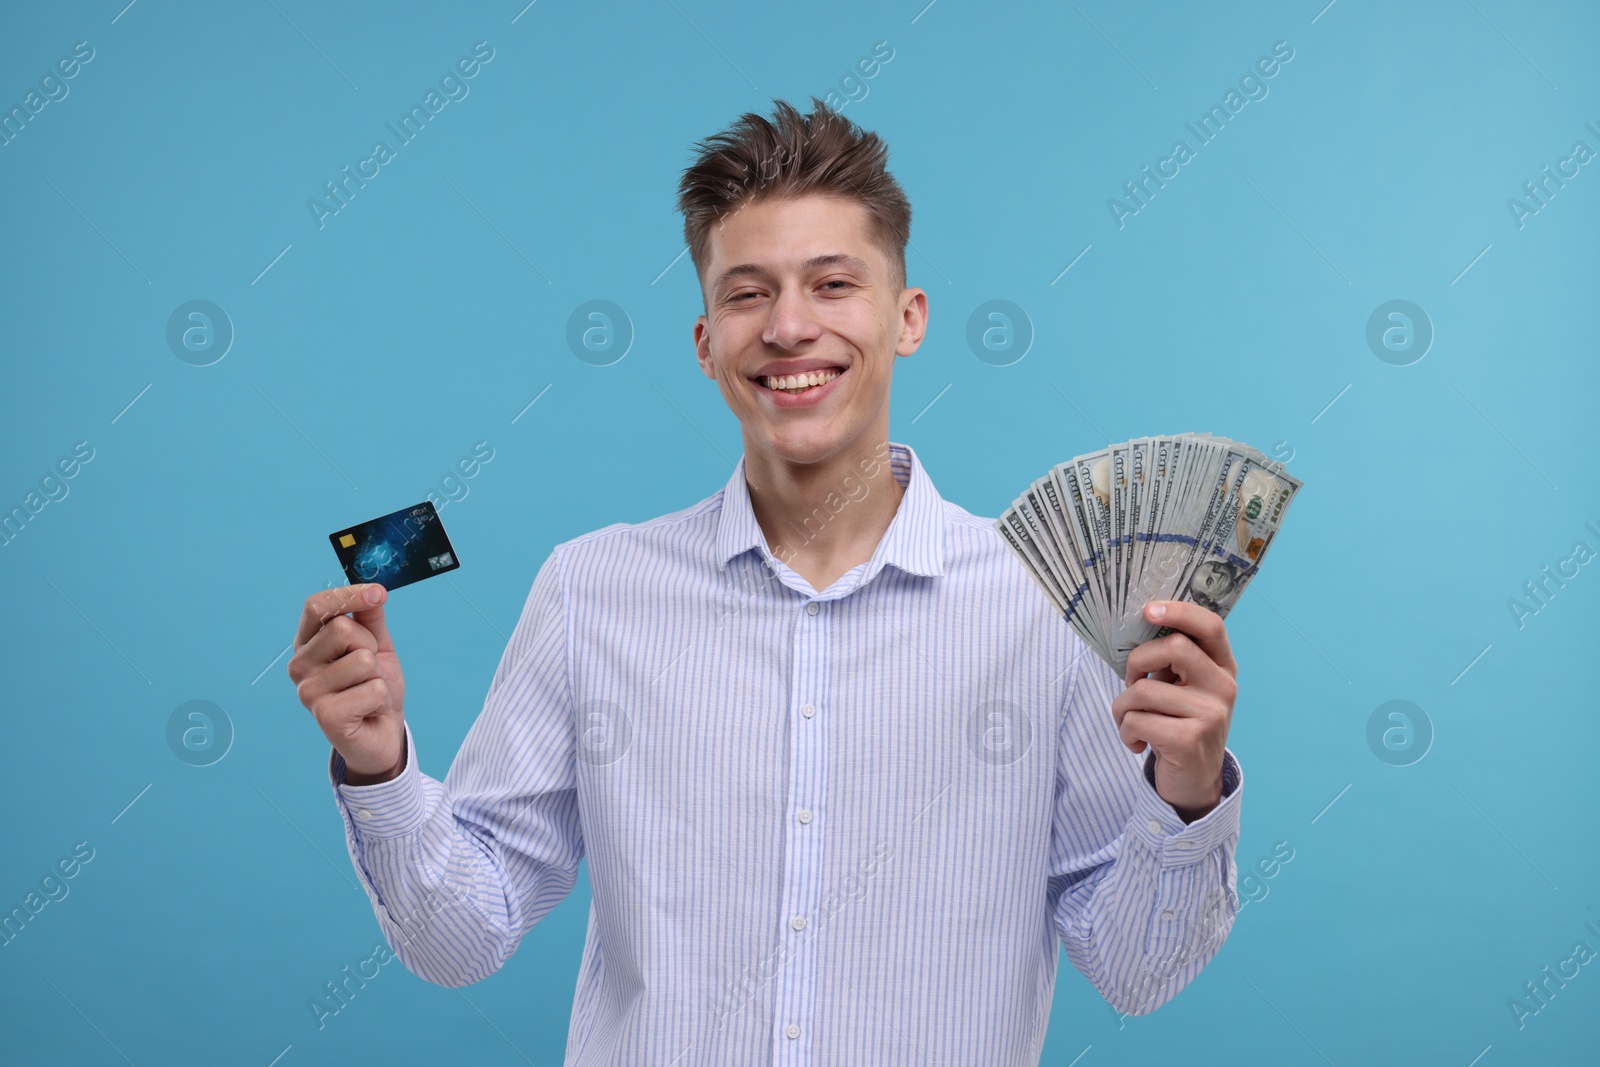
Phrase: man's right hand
(347, 675)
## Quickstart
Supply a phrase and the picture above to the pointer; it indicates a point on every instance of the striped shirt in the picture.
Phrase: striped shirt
(839, 827)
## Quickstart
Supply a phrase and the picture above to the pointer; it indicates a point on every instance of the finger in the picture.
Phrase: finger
(1162, 698)
(1174, 654)
(341, 635)
(354, 704)
(359, 600)
(1161, 732)
(320, 607)
(371, 617)
(1203, 626)
(353, 668)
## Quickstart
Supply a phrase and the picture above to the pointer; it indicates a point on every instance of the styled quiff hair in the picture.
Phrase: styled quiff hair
(793, 155)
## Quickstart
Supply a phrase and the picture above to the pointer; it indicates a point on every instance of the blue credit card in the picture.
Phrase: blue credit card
(396, 549)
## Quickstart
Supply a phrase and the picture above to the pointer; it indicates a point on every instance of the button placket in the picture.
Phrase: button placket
(794, 987)
(1167, 929)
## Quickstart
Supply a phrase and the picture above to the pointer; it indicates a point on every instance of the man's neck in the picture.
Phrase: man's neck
(823, 519)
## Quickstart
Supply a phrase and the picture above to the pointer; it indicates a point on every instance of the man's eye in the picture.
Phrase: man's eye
(838, 281)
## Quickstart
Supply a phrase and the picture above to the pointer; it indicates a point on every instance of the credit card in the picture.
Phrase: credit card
(398, 549)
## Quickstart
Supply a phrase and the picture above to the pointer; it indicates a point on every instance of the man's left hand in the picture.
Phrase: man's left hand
(1179, 701)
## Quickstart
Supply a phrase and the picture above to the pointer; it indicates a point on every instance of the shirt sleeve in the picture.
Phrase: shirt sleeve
(458, 871)
(1141, 900)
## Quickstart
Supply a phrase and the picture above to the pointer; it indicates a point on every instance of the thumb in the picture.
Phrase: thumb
(374, 597)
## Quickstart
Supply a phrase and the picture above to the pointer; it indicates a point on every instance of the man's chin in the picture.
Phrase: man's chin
(798, 445)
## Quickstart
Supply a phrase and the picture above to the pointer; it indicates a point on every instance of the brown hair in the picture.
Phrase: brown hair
(822, 153)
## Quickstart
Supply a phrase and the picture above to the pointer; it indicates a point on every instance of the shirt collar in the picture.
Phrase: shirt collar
(914, 541)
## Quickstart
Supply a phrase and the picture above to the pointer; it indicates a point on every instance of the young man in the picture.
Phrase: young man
(844, 777)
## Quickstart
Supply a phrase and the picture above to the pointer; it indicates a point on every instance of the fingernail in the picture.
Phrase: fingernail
(374, 594)
(1156, 611)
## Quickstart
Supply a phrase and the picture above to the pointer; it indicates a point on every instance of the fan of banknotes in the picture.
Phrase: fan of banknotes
(1186, 517)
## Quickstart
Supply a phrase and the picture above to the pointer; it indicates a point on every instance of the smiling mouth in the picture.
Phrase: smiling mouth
(797, 384)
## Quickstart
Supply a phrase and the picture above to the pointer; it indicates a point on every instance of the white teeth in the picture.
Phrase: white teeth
(801, 381)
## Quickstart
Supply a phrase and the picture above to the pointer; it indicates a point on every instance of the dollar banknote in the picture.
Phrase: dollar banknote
(1182, 517)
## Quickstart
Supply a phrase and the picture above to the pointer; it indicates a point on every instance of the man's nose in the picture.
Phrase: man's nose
(790, 321)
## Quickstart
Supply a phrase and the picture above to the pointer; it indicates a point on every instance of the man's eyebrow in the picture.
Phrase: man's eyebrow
(831, 259)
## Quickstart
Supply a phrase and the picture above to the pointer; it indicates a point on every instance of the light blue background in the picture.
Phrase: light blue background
(378, 349)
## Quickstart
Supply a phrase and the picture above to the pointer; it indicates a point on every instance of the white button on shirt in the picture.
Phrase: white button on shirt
(656, 710)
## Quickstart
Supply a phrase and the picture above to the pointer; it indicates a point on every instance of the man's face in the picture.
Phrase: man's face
(798, 286)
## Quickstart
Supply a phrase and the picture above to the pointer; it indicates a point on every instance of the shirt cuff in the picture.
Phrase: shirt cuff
(1165, 833)
(389, 809)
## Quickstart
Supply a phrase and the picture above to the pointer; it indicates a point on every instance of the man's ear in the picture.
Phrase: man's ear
(702, 348)
(913, 322)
